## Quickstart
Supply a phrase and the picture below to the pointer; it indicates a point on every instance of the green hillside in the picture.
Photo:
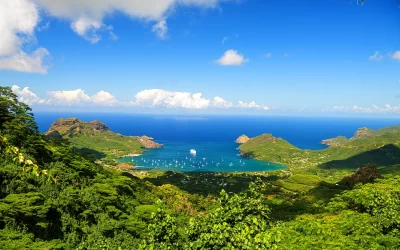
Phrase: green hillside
(380, 147)
(53, 197)
(96, 138)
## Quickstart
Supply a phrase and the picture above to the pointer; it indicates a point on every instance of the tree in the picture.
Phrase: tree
(18, 125)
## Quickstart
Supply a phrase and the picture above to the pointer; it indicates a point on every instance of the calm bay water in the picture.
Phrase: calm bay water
(210, 156)
(213, 136)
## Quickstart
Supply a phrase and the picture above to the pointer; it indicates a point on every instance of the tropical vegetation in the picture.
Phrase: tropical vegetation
(54, 196)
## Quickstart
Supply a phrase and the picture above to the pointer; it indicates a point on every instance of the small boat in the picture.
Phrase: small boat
(193, 152)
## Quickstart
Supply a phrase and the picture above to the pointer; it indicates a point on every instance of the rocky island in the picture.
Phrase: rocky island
(242, 139)
(97, 139)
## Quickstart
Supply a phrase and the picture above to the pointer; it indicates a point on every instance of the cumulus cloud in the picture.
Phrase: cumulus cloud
(69, 97)
(87, 15)
(27, 96)
(160, 29)
(23, 62)
(219, 102)
(87, 28)
(18, 20)
(396, 55)
(232, 58)
(151, 98)
(251, 105)
(104, 98)
(377, 56)
(169, 99)
(387, 108)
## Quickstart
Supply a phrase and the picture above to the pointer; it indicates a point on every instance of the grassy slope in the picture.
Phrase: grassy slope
(100, 142)
(380, 147)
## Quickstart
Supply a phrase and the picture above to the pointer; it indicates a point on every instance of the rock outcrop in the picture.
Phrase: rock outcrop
(242, 139)
(99, 126)
(148, 142)
(71, 126)
(362, 133)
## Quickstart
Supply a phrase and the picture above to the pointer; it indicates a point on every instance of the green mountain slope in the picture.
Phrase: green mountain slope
(96, 138)
(380, 147)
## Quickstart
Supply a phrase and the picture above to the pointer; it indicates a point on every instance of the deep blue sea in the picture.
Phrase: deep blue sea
(213, 136)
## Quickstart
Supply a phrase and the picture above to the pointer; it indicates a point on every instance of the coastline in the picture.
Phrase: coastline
(130, 155)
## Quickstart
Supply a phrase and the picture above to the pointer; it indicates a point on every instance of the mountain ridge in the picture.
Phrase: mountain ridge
(96, 137)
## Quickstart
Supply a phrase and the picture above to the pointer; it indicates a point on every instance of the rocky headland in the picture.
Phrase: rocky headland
(97, 139)
(148, 142)
(242, 139)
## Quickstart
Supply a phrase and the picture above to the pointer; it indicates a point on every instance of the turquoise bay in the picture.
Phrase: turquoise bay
(210, 157)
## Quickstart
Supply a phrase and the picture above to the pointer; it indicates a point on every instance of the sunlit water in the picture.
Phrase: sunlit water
(210, 156)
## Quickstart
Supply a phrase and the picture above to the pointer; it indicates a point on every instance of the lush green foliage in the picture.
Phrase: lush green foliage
(52, 197)
(94, 138)
(380, 147)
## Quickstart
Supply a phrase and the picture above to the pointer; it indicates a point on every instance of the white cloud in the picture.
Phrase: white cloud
(69, 97)
(377, 56)
(396, 55)
(87, 15)
(160, 29)
(251, 105)
(18, 20)
(268, 55)
(87, 28)
(224, 39)
(169, 99)
(387, 108)
(221, 103)
(103, 98)
(23, 62)
(232, 58)
(151, 98)
(27, 96)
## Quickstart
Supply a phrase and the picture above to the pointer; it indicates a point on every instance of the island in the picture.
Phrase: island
(97, 139)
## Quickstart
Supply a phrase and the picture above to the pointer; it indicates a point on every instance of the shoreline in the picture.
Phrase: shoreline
(130, 155)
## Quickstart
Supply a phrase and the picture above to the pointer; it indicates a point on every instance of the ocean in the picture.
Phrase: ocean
(213, 136)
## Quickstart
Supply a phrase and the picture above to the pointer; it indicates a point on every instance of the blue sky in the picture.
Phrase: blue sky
(287, 56)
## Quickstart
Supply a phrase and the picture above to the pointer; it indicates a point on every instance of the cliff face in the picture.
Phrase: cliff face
(242, 139)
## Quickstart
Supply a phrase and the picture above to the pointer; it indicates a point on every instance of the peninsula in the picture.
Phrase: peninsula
(380, 147)
(97, 139)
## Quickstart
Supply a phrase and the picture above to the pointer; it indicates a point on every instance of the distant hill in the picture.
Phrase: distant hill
(380, 147)
(96, 138)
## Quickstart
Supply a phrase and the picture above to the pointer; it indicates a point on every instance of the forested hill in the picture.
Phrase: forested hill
(53, 197)
(96, 139)
(380, 147)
